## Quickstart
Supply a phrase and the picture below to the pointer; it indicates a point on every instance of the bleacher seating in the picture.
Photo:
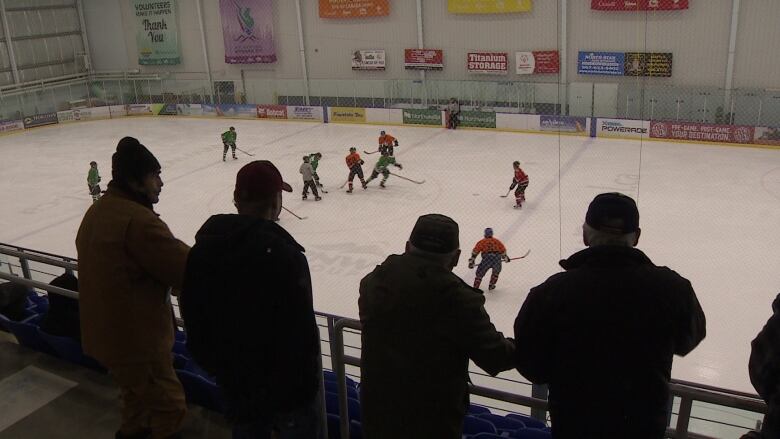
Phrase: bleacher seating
(332, 386)
(473, 425)
(502, 424)
(332, 406)
(27, 334)
(475, 409)
(201, 391)
(530, 433)
(527, 420)
(69, 349)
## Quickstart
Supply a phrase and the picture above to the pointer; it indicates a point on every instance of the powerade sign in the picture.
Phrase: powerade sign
(622, 128)
(601, 63)
(40, 119)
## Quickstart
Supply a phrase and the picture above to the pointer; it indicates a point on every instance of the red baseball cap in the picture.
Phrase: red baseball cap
(258, 179)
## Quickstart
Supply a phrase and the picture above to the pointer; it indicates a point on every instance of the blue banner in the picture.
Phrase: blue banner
(601, 63)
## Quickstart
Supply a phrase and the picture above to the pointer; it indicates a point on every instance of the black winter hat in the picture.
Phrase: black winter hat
(613, 212)
(435, 233)
(132, 161)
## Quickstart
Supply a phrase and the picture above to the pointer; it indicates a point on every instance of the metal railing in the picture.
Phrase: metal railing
(687, 392)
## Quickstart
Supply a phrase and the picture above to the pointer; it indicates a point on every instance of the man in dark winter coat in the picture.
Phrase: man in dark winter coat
(602, 334)
(248, 311)
(421, 325)
(764, 368)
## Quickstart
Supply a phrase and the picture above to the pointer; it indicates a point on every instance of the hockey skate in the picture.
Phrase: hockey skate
(304, 197)
(492, 287)
(317, 198)
(382, 185)
(234, 157)
(349, 191)
(365, 185)
(223, 158)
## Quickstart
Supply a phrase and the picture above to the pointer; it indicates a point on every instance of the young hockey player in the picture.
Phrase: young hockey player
(381, 168)
(229, 140)
(387, 143)
(308, 179)
(521, 181)
(93, 178)
(493, 253)
(354, 163)
(314, 159)
(453, 114)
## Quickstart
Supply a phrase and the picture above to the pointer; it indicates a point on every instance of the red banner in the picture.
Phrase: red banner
(353, 8)
(540, 61)
(487, 62)
(702, 132)
(424, 59)
(638, 5)
(272, 111)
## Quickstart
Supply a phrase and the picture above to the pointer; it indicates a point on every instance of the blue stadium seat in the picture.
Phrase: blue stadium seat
(69, 349)
(332, 406)
(334, 428)
(26, 333)
(180, 347)
(199, 390)
(355, 430)
(487, 436)
(473, 425)
(501, 423)
(329, 375)
(332, 386)
(527, 420)
(475, 409)
(530, 433)
(40, 303)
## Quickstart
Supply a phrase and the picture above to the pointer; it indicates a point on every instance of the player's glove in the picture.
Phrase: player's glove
(505, 258)
(99, 179)
(471, 263)
(396, 143)
(398, 165)
(362, 162)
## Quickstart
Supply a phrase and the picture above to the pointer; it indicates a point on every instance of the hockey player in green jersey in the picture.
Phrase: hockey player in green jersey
(381, 168)
(93, 178)
(229, 140)
(314, 161)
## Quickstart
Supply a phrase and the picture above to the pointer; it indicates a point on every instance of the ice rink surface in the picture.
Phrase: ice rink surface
(709, 212)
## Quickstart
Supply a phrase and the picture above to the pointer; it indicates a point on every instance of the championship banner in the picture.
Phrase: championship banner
(648, 64)
(348, 114)
(272, 111)
(487, 62)
(568, 124)
(248, 31)
(39, 120)
(537, 62)
(354, 8)
(368, 60)
(638, 5)
(601, 63)
(11, 125)
(422, 117)
(423, 59)
(488, 6)
(156, 34)
(702, 132)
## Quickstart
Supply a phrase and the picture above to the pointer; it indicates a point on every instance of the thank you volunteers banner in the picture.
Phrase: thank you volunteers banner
(638, 5)
(248, 31)
(156, 33)
(702, 132)
(423, 59)
(488, 6)
(625, 64)
(487, 62)
(354, 8)
(536, 62)
(368, 60)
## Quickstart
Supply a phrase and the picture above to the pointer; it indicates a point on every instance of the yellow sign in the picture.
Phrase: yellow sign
(488, 6)
(348, 114)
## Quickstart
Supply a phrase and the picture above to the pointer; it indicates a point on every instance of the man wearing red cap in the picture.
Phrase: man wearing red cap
(603, 333)
(248, 310)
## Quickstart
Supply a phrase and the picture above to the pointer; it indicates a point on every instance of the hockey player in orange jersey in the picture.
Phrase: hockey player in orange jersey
(493, 253)
(355, 165)
(387, 143)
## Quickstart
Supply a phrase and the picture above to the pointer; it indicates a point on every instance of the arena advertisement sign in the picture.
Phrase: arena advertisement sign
(248, 31)
(702, 132)
(354, 8)
(139, 109)
(368, 60)
(6, 126)
(300, 112)
(348, 114)
(272, 111)
(601, 63)
(537, 62)
(623, 128)
(423, 59)
(487, 62)
(422, 117)
(638, 5)
(37, 120)
(156, 35)
(488, 6)
(478, 119)
(245, 111)
(648, 64)
(78, 114)
(168, 110)
(189, 109)
(763, 136)
(567, 124)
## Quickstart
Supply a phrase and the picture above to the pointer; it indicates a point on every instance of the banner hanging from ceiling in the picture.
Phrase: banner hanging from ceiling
(354, 8)
(488, 6)
(638, 5)
(248, 31)
(156, 33)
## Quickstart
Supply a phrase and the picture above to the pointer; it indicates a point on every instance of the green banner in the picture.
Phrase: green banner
(156, 34)
(422, 117)
(477, 119)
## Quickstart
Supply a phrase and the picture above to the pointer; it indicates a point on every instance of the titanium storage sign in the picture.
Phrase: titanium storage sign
(623, 128)
(487, 62)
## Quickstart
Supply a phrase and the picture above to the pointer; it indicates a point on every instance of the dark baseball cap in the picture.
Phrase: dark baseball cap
(257, 180)
(613, 212)
(435, 233)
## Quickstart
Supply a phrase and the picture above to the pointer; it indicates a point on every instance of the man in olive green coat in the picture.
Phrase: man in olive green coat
(421, 325)
(128, 262)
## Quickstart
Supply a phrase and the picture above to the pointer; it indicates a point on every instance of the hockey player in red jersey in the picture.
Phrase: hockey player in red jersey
(493, 253)
(521, 181)
(355, 165)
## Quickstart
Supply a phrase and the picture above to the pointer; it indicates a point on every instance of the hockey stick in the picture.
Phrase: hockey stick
(343, 184)
(293, 214)
(408, 179)
(507, 194)
(372, 152)
(521, 257)
(247, 153)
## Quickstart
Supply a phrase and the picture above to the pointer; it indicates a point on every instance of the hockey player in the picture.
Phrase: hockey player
(381, 168)
(387, 143)
(314, 159)
(93, 178)
(521, 181)
(453, 114)
(308, 179)
(229, 140)
(355, 165)
(493, 253)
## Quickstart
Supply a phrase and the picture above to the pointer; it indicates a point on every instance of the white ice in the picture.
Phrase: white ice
(710, 212)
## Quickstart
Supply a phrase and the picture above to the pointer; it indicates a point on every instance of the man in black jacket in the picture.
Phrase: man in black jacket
(602, 334)
(421, 325)
(248, 311)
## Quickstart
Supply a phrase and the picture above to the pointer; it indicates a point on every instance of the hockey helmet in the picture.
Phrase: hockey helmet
(318, 154)
(353, 149)
(515, 163)
(305, 158)
(382, 133)
(93, 163)
(232, 128)
(488, 232)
